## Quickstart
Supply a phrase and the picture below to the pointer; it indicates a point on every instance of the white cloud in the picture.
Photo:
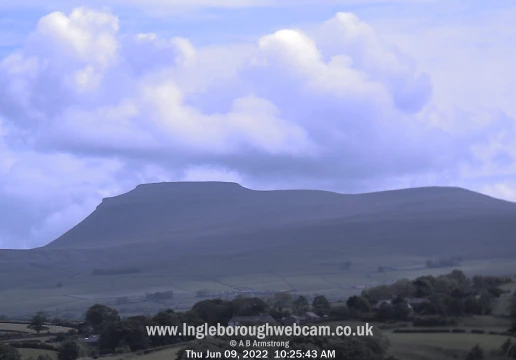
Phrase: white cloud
(501, 191)
(470, 60)
(89, 111)
(163, 7)
(211, 173)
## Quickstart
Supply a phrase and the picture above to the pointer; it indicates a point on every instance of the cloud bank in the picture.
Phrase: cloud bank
(87, 111)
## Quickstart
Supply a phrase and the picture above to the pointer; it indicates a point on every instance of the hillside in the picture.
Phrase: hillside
(172, 212)
(166, 221)
(211, 230)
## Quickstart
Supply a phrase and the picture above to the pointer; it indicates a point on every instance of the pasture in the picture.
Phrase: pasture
(8, 327)
(79, 291)
(27, 354)
(165, 354)
(440, 346)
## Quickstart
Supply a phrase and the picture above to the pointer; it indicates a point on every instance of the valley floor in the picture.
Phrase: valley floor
(69, 295)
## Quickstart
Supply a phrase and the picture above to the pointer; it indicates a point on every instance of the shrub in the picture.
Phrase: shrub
(458, 331)
(421, 331)
(33, 345)
(433, 320)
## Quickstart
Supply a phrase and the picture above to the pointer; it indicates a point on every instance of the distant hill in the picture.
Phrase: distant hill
(177, 220)
(210, 229)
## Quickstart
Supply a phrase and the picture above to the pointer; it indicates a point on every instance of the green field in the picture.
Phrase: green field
(165, 354)
(22, 328)
(33, 353)
(440, 346)
(79, 291)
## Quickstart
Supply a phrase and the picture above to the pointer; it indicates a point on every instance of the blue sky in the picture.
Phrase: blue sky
(352, 96)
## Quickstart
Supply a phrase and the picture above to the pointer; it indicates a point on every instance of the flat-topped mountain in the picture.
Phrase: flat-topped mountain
(187, 213)
(189, 236)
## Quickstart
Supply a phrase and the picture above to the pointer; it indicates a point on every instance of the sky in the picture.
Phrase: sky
(352, 96)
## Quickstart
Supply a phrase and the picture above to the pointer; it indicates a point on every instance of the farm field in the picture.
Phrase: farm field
(165, 354)
(501, 305)
(27, 354)
(22, 328)
(80, 291)
(439, 346)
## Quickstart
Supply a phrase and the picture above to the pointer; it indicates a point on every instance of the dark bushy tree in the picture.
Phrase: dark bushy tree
(44, 357)
(476, 353)
(8, 352)
(300, 305)
(130, 333)
(423, 287)
(385, 312)
(69, 350)
(99, 316)
(282, 300)
(358, 303)
(248, 306)
(339, 312)
(214, 311)
(512, 309)
(321, 305)
(37, 322)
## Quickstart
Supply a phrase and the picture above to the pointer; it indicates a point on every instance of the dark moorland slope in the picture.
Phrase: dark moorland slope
(228, 228)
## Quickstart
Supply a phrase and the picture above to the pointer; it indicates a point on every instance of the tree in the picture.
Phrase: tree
(282, 300)
(423, 287)
(44, 357)
(129, 334)
(248, 306)
(506, 346)
(401, 310)
(455, 307)
(8, 352)
(69, 350)
(300, 305)
(321, 305)
(37, 322)
(512, 308)
(472, 306)
(478, 282)
(99, 316)
(476, 353)
(459, 276)
(512, 330)
(339, 312)
(385, 312)
(213, 311)
(358, 303)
